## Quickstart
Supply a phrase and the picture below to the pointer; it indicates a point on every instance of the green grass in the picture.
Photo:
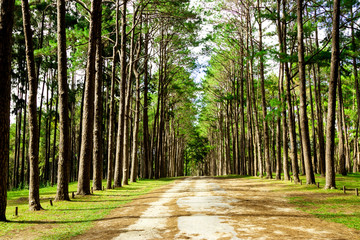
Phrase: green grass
(331, 205)
(69, 218)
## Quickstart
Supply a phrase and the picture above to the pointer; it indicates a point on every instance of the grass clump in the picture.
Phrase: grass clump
(66, 219)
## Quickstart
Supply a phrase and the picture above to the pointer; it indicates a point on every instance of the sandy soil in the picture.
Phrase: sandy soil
(213, 208)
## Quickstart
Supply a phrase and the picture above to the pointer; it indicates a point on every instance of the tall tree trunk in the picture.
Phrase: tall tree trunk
(228, 139)
(302, 163)
(34, 197)
(22, 172)
(120, 138)
(235, 127)
(341, 129)
(98, 115)
(161, 140)
(313, 126)
(134, 160)
(146, 137)
(278, 148)
(263, 99)
(356, 149)
(281, 29)
(304, 123)
(252, 135)
(41, 102)
(354, 62)
(48, 133)
(17, 146)
(240, 143)
(291, 117)
(330, 123)
(62, 192)
(319, 110)
(73, 165)
(88, 115)
(257, 149)
(53, 176)
(105, 127)
(81, 127)
(111, 131)
(127, 126)
(6, 25)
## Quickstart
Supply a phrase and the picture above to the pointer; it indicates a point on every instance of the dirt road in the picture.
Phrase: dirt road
(208, 208)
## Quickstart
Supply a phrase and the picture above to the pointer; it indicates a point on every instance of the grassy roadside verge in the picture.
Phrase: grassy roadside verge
(66, 219)
(330, 205)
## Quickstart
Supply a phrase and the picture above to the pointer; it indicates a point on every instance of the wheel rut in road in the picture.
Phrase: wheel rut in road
(214, 208)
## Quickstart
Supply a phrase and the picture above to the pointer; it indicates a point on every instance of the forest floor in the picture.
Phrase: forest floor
(223, 208)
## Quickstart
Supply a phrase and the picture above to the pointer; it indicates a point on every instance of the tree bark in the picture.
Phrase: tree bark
(62, 192)
(98, 115)
(34, 197)
(315, 163)
(330, 122)
(304, 123)
(146, 136)
(53, 176)
(6, 26)
(291, 117)
(120, 139)
(263, 99)
(111, 134)
(354, 62)
(319, 110)
(17, 147)
(88, 115)
(127, 125)
(22, 172)
(134, 160)
(341, 129)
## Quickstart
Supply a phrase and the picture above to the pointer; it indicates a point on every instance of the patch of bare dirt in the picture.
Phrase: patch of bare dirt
(268, 215)
(214, 208)
(121, 218)
(29, 233)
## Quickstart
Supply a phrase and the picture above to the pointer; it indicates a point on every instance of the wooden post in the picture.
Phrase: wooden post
(92, 190)
(318, 184)
(344, 189)
(356, 191)
(16, 211)
(51, 202)
(290, 179)
(300, 182)
(113, 187)
(103, 188)
(73, 195)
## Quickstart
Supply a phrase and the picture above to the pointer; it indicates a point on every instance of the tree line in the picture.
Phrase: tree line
(281, 94)
(99, 90)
